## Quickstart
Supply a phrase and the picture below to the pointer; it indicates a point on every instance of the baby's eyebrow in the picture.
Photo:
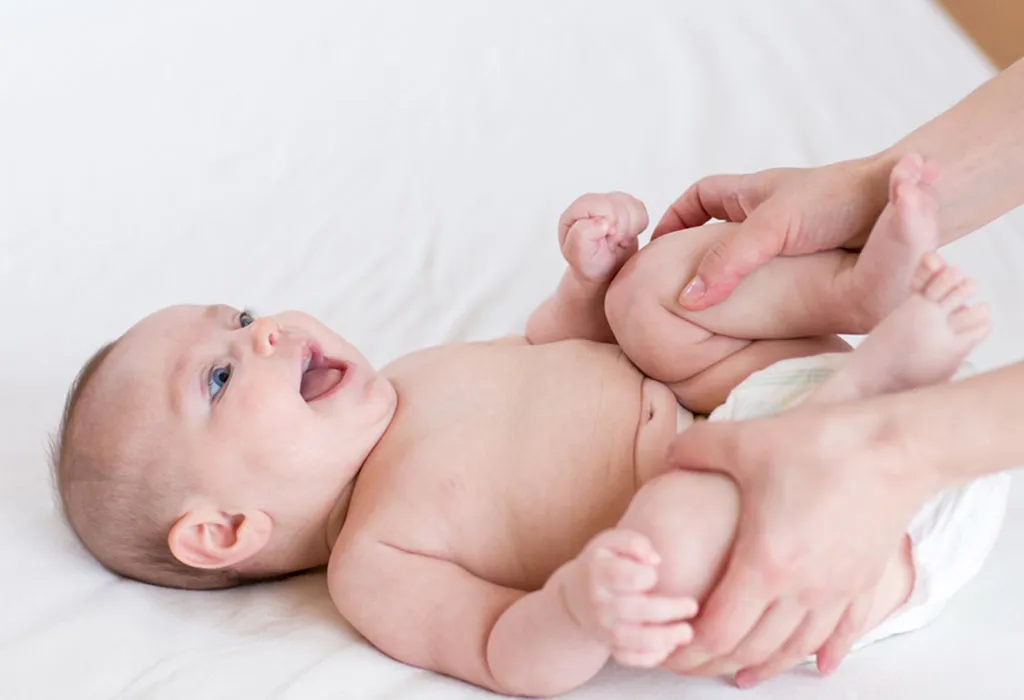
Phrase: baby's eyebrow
(180, 379)
(218, 311)
(180, 383)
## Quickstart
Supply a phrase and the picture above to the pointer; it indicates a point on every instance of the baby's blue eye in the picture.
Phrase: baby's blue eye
(246, 318)
(218, 379)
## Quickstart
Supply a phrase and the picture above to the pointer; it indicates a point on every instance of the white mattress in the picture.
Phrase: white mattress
(397, 169)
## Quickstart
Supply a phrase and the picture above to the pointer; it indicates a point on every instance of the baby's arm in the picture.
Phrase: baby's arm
(434, 614)
(597, 234)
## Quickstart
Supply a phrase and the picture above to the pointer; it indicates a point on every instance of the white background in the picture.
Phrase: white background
(397, 168)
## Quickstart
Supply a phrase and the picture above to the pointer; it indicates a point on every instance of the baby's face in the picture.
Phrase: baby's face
(276, 411)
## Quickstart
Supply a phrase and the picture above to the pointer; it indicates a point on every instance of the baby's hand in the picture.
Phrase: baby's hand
(598, 233)
(608, 596)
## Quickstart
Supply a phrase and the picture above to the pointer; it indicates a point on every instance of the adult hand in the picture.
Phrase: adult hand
(826, 494)
(784, 211)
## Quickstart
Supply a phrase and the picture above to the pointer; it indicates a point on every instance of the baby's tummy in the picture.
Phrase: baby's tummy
(661, 418)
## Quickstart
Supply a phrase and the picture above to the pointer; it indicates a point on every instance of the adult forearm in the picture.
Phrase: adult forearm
(978, 145)
(965, 429)
(537, 649)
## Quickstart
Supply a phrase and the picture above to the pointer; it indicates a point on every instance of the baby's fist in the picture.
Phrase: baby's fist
(609, 597)
(598, 233)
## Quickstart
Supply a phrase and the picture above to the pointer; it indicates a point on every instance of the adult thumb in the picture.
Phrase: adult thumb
(706, 446)
(732, 257)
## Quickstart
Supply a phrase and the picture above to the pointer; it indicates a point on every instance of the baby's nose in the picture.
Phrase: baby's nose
(265, 333)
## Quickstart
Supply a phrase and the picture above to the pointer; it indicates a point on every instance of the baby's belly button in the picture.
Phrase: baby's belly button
(658, 425)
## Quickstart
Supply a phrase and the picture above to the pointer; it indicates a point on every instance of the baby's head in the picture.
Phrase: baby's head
(206, 448)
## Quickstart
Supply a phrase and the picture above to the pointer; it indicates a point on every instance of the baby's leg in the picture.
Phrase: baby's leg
(792, 301)
(700, 366)
(691, 517)
(796, 297)
(706, 391)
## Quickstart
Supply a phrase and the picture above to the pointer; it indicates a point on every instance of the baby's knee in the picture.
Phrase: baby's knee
(690, 518)
(629, 307)
(662, 345)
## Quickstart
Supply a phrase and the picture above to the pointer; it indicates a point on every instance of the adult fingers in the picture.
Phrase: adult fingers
(850, 627)
(707, 446)
(731, 612)
(712, 197)
(813, 631)
(732, 257)
(778, 624)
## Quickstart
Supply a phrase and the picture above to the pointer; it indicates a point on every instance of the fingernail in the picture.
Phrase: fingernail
(827, 667)
(745, 680)
(693, 291)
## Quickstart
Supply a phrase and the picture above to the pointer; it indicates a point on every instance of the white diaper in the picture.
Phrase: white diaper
(950, 536)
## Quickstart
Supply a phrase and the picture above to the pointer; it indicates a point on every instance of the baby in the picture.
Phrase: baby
(501, 511)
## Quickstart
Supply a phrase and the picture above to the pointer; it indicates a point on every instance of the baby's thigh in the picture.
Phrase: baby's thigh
(785, 298)
(690, 518)
(655, 276)
(643, 312)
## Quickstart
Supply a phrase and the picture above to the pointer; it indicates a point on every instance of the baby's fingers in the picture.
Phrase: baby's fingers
(631, 213)
(616, 574)
(652, 609)
(638, 659)
(628, 544)
(589, 229)
(650, 639)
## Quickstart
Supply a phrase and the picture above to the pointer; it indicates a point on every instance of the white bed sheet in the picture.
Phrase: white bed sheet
(397, 168)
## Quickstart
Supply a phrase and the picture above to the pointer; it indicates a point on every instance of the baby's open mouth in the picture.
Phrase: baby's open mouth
(320, 375)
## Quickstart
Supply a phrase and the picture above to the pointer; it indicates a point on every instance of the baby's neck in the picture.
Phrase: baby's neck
(336, 518)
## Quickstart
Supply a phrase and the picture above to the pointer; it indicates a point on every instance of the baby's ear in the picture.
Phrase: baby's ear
(207, 538)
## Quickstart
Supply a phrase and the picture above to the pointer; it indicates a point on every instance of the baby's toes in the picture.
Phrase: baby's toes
(907, 171)
(930, 265)
(959, 295)
(942, 284)
(970, 321)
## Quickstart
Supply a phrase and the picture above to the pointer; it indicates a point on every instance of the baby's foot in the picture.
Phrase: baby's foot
(906, 229)
(922, 342)
(607, 592)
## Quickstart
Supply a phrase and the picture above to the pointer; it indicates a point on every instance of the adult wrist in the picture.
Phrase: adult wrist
(870, 189)
(905, 433)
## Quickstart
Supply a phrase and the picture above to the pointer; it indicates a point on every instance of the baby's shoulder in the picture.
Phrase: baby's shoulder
(392, 503)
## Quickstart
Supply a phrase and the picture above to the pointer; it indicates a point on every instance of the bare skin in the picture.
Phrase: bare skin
(703, 355)
(498, 512)
(518, 524)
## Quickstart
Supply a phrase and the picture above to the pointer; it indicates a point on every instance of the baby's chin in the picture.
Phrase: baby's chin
(384, 395)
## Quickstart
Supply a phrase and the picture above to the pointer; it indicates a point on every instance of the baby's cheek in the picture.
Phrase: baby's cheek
(264, 416)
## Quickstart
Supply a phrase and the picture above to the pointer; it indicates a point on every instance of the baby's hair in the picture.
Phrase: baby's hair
(116, 512)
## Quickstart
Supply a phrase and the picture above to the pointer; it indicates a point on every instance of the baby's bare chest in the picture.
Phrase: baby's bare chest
(508, 461)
